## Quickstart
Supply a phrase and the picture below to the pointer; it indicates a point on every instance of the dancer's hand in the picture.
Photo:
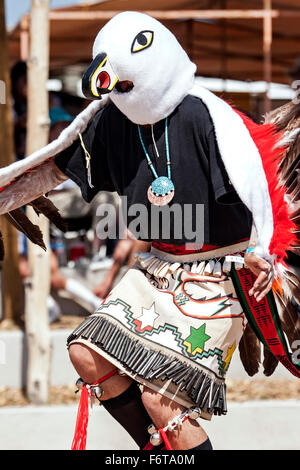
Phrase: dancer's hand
(265, 275)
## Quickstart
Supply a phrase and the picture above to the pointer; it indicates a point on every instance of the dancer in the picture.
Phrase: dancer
(173, 322)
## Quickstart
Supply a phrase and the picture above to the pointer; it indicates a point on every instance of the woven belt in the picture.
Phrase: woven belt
(206, 255)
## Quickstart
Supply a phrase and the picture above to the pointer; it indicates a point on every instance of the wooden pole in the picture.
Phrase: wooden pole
(38, 286)
(267, 50)
(11, 288)
(24, 38)
(223, 25)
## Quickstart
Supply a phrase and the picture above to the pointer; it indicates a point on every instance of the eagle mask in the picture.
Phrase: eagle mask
(142, 65)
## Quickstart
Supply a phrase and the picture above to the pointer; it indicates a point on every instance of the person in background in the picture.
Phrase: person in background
(122, 254)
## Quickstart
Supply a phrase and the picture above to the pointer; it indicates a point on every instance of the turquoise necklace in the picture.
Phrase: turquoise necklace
(161, 191)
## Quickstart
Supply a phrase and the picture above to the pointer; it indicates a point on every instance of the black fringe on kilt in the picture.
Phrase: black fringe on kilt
(205, 392)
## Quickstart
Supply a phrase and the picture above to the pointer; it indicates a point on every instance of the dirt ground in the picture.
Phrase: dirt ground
(237, 390)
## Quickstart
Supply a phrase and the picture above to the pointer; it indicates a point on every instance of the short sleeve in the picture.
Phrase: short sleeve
(223, 190)
(72, 162)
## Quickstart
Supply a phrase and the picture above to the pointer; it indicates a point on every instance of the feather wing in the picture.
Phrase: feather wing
(16, 172)
(21, 222)
(287, 120)
(270, 362)
(250, 351)
(65, 139)
(43, 205)
(287, 296)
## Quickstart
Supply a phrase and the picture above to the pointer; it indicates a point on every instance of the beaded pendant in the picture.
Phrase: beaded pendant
(162, 189)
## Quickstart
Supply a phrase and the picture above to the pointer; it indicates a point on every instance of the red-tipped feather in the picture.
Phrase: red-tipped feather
(266, 138)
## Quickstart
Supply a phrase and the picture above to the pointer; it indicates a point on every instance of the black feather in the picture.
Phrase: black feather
(270, 362)
(21, 222)
(250, 351)
(43, 205)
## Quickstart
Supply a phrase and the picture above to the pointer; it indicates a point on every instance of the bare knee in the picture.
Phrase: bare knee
(88, 363)
(91, 367)
(79, 355)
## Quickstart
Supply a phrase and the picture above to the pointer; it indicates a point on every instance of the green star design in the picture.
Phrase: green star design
(197, 339)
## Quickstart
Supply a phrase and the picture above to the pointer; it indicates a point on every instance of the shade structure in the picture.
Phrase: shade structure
(244, 40)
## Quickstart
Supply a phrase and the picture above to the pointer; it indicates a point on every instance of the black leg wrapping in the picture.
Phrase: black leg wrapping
(206, 445)
(129, 411)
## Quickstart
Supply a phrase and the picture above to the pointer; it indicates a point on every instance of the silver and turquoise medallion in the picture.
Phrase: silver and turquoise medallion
(161, 191)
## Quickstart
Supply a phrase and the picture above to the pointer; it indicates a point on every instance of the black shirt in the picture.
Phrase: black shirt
(118, 163)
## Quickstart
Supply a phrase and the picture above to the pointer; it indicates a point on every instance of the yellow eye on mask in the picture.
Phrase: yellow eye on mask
(142, 40)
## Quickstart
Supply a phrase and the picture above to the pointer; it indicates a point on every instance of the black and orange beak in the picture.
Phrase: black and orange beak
(99, 78)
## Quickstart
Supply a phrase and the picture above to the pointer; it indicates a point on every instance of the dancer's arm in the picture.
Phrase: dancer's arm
(30, 186)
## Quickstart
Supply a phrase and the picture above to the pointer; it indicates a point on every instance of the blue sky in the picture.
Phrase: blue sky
(14, 9)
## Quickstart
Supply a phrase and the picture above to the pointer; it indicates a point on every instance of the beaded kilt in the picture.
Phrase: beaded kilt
(172, 324)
